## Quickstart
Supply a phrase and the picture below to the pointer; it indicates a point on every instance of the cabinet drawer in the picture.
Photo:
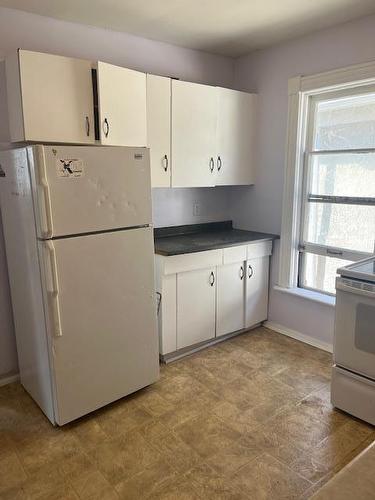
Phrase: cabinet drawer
(232, 255)
(261, 249)
(192, 261)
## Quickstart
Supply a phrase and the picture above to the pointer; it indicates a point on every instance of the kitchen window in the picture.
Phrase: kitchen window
(329, 194)
(338, 208)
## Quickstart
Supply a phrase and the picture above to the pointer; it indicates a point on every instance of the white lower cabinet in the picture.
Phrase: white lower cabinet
(257, 271)
(230, 303)
(196, 292)
(211, 294)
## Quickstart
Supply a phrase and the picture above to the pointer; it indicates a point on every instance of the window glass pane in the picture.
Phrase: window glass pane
(320, 272)
(343, 175)
(346, 226)
(345, 123)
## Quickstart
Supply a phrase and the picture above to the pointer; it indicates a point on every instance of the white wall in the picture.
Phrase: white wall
(260, 207)
(28, 31)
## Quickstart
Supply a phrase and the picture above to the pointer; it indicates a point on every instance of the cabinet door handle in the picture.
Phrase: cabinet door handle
(87, 126)
(165, 162)
(250, 271)
(219, 163)
(242, 273)
(212, 279)
(212, 164)
(106, 127)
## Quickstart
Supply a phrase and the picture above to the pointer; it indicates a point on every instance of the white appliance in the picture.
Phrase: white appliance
(353, 381)
(79, 245)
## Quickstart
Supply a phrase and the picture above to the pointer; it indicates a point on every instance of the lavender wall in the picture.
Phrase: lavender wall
(266, 72)
(28, 31)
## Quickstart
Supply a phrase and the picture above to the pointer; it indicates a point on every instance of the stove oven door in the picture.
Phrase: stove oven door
(354, 339)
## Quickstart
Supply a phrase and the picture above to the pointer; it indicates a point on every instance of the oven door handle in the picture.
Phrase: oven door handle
(351, 289)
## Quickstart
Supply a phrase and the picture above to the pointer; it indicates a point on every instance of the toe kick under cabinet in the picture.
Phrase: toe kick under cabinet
(205, 296)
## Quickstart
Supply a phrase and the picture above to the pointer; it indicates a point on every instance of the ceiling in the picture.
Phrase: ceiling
(228, 27)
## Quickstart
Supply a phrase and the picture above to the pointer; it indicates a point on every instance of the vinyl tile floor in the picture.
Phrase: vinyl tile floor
(249, 418)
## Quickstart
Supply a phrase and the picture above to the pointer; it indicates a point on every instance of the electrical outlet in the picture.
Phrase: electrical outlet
(196, 209)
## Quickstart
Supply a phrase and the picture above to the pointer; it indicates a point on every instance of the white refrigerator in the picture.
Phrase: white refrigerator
(79, 246)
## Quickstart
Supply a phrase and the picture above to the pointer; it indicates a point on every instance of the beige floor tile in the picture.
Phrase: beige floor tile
(42, 485)
(176, 489)
(145, 483)
(227, 461)
(304, 379)
(89, 432)
(176, 452)
(267, 478)
(51, 451)
(337, 445)
(123, 422)
(122, 458)
(207, 435)
(11, 471)
(242, 421)
(155, 404)
(198, 405)
(210, 485)
(92, 485)
(298, 429)
(309, 468)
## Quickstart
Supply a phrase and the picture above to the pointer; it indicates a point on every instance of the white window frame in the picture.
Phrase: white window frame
(300, 90)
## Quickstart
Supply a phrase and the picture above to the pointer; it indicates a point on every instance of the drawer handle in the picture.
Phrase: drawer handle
(106, 127)
(212, 279)
(87, 126)
(250, 271)
(165, 163)
(212, 164)
(219, 163)
(242, 273)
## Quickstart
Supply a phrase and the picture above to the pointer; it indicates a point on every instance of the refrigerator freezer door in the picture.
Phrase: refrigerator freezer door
(82, 189)
(101, 317)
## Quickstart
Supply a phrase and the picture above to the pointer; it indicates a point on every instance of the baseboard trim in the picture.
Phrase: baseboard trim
(307, 339)
(9, 379)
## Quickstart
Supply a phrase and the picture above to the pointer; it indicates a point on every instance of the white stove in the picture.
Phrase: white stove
(353, 378)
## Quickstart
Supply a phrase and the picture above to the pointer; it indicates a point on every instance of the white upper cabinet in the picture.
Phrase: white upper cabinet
(194, 110)
(122, 106)
(50, 98)
(235, 137)
(159, 129)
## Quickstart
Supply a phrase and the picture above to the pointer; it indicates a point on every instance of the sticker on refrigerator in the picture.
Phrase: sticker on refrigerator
(69, 167)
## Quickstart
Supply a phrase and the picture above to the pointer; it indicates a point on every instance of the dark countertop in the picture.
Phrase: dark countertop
(176, 240)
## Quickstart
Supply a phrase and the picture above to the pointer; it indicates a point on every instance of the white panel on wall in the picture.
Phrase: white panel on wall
(178, 206)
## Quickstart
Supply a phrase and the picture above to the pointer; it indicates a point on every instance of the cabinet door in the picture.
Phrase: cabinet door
(194, 109)
(230, 306)
(159, 129)
(50, 98)
(257, 271)
(122, 106)
(235, 137)
(195, 306)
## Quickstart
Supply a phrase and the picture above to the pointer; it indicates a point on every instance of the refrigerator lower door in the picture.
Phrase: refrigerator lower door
(81, 189)
(102, 318)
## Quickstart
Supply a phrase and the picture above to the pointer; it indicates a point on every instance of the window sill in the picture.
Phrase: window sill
(322, 298)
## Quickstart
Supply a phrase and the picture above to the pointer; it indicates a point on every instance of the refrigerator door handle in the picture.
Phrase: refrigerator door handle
(45, 210)
(54, 292)
(45, 214)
